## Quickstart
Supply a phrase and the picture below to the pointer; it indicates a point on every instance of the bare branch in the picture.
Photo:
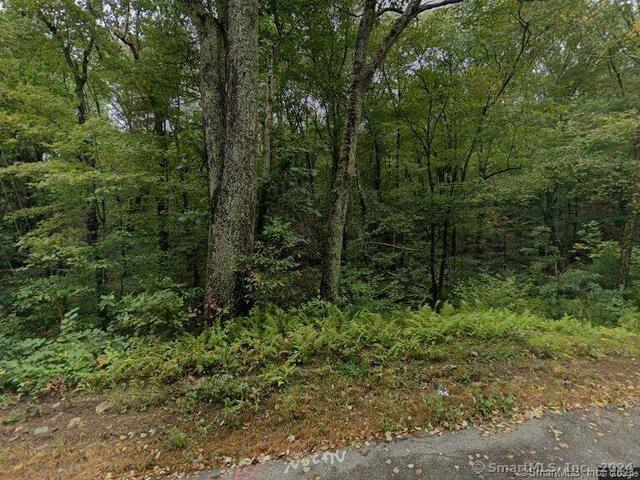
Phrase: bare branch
(382, 11)
(433, 5)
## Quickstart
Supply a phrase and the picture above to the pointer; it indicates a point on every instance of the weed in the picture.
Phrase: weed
(176, 439)
(289, 402)
(230, 413)
(389, 425)
(442, 409)
(12, 417)
(220, 388)
(491, 405)
(139, 395)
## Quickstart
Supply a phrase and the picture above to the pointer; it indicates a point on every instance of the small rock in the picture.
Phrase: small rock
(40, 431)
(56, 405)
(291, 438)
(442, 391)
(102, 407)
(74, 422)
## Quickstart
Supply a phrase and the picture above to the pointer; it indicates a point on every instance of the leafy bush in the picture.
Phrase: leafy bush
(162, 312)
(275, 264)
(36, 364)
(491, 291)
(580, 294)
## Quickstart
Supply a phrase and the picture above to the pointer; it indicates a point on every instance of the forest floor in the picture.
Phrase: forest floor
(76, 435)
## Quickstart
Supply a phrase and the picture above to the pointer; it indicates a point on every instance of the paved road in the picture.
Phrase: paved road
(583, 439)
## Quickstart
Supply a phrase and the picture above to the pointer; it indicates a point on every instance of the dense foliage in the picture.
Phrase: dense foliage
(495, 174)
(251, 356)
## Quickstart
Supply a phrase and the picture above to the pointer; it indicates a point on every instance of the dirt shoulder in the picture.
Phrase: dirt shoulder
(579, 444)
(82, 436)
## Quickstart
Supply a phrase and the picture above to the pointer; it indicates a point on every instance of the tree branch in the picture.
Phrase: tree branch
(412, 11)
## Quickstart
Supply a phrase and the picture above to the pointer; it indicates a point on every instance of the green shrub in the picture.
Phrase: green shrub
(492, 291)
(218, 388)
(580, 294)
(442, 409)
(490, 405)
(162, 312)
(33, 364)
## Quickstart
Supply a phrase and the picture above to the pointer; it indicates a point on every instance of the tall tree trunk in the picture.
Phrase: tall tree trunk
(268, 118)
(361, 74)
(92, 221)
(345, 168)
(233, 184)
(263, 200)
(377, 179)
(631, 227)
(162, 207)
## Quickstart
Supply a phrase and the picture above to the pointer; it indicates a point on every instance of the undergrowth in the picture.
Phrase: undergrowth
(237, 364)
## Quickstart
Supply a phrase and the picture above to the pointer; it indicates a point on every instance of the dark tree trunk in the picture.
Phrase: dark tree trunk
(267, 160)
(631, 226)
(268, 118)
(92, 221)
(377, 179)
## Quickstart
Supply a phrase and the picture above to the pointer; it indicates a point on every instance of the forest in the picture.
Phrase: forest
(236, 205)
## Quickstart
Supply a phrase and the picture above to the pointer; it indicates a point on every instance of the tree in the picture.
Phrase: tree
(362, 71)
(228, 35)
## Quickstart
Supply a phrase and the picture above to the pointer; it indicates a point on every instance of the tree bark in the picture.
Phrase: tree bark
(345, 168)
(229, 89)
(268, 118)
